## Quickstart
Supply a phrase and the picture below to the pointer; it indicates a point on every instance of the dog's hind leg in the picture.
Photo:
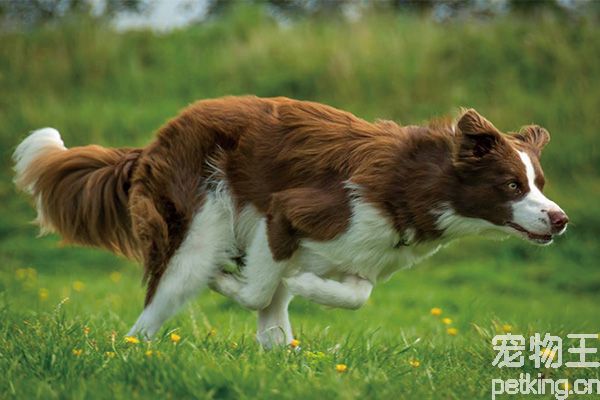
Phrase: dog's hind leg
(190, 269)
(274, 326)
(260, 276)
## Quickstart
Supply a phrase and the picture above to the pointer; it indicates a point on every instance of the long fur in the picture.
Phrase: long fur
(312, 200)
(291, 161)
(81, 193)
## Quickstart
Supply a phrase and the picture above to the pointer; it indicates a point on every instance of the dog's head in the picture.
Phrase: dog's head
(499, 179)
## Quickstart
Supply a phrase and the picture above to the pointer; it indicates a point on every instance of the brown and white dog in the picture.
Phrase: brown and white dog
(311, 200)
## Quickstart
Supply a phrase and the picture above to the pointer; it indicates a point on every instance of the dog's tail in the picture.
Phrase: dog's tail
(81, 193)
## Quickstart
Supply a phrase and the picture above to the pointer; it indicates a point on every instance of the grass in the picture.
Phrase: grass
(114, 89)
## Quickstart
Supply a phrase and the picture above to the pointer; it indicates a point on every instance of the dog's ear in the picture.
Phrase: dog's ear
(478, 135)
(534, 135)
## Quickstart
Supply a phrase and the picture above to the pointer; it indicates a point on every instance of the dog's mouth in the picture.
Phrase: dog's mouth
(534, 237)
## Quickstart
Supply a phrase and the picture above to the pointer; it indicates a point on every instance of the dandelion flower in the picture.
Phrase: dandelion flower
(77, 352)
(115, 277)
(341, 368)
(175, 338)
(78, 286)
(506, 328)
(131, 340)
(43, 293)
(436, 311)
(452, 331)
(415, 363)
(294, 343)
(446, 321)
(110, 354)
(148, 353)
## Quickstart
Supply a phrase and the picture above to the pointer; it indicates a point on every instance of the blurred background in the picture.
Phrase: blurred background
(111, 72)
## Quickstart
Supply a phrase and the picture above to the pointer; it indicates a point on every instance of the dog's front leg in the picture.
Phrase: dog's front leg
(352, 292)
(274, 328)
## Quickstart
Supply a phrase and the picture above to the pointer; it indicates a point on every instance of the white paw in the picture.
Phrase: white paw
(144, 327)
(226, 284)
(272, 337)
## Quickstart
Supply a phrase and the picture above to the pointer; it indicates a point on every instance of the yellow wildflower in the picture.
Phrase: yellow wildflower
(436, 311)
(148, 353)
(341, 368)
(414, 363)
(175, 338)
(131, 340)
(110, 354)
(43, 293)
(294, 343)
(452, 331)
(77, 352)
(78, 286)
(446, 321)
(506, 328)
(115, 277)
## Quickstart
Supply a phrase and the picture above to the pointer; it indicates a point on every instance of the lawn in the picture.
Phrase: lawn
(65, 310)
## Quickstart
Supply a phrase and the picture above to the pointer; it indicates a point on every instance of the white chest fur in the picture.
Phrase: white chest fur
(367, 248)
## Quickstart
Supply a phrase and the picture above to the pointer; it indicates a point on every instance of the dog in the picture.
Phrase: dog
(309, 200)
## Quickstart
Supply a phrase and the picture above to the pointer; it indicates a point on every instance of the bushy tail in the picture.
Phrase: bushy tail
(81, 193)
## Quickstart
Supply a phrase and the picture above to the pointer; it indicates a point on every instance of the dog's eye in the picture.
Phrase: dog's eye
(514, 186)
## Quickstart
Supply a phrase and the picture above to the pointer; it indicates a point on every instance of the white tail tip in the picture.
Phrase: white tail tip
(37, 143)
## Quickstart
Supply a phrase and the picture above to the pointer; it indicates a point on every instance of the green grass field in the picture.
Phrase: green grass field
(64, 310)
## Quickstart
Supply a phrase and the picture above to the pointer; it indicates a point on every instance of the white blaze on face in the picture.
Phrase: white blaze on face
(531, 212)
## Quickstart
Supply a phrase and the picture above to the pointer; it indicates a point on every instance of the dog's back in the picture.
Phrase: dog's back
(140, 202)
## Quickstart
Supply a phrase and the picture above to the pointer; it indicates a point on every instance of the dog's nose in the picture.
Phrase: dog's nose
(558, 220)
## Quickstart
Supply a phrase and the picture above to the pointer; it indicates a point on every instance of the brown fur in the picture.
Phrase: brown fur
(320, 214)
(290, 160)
(83, 193)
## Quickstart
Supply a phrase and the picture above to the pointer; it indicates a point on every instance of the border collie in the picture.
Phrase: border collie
(307, 199)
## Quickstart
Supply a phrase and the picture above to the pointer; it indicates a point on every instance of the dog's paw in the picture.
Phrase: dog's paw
(226, 284)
